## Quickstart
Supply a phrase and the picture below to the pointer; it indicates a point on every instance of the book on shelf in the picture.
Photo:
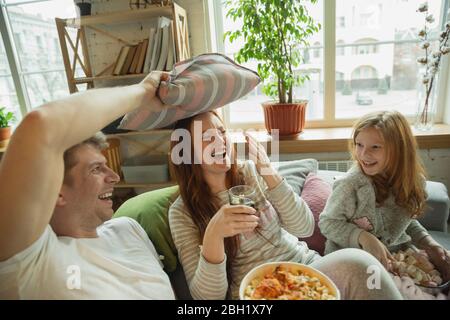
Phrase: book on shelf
(171, 53)
(162, 23)
(135, 60)
(150, 45)
(142, 55)
(128, 60)
(164, 49)
(121, 60)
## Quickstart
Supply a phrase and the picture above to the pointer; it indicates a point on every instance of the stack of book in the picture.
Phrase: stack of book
(155, 53)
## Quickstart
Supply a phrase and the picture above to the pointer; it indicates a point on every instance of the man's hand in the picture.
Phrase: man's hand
(150, 84)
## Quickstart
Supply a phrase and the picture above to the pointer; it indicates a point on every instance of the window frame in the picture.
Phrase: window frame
(12, 54)
(329, 68)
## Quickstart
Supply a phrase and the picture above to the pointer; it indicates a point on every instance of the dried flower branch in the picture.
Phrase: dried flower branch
(431, 60)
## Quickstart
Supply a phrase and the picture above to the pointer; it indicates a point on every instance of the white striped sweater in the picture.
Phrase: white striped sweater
(283, 221)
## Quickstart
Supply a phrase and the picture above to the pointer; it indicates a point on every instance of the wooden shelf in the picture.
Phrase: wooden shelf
(108, 77)
(337, 139)
(161, 185)
(77, 44)
(120, 17)
(139, 133)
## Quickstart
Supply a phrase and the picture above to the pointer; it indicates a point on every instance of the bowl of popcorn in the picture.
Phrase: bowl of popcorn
(287, 281)
(416, 265)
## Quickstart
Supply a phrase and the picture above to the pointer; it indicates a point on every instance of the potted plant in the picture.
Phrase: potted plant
(85, 7)
(6, 119)
(273, 31)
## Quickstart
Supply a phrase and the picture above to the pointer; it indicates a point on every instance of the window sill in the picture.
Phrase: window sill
(336, 139)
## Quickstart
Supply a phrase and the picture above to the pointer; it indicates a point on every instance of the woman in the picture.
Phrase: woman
(218, 243)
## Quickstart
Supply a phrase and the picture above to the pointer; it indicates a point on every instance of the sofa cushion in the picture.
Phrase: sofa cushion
(442, 238)
(197, 85)
(150, 210)
(295, 172)
(436, 214)
(315, 193)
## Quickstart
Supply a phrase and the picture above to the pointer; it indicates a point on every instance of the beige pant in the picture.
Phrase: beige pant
(352, 272)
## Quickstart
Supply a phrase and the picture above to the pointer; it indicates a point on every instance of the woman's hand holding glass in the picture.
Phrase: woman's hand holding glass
(232, 220)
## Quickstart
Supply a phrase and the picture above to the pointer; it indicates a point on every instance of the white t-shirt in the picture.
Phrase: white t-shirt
(121, 263)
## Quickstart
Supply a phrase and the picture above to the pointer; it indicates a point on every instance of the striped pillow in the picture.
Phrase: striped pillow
(197, 85)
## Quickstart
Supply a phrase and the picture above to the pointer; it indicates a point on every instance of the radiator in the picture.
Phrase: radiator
(342, 166)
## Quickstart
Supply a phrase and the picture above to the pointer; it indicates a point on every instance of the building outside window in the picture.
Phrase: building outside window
(36, 48)
(374, 48)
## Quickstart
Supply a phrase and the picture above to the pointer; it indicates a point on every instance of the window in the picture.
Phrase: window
(37, 53)
(364, 46)
(8, 97)
(317, 50)
(248, 111)
(381, 57)
(340, 48)
(374, 49)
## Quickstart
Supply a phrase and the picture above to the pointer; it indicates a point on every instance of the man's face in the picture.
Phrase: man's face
(89, 189)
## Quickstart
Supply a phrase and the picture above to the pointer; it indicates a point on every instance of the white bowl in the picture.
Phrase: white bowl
(267, 268)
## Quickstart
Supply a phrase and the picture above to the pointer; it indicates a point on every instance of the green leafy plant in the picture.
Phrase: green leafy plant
(273, 32)
(6, 118)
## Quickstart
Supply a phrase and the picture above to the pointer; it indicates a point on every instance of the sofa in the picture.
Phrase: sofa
(150, 209)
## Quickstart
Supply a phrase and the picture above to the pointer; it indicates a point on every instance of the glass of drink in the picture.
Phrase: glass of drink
(242, 195)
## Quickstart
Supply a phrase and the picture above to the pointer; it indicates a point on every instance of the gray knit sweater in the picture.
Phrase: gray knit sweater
(352, 208)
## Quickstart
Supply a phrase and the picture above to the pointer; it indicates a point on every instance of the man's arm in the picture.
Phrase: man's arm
(31, 171)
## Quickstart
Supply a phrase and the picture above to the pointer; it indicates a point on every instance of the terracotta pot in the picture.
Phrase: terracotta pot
(288, 118)
(5, 134)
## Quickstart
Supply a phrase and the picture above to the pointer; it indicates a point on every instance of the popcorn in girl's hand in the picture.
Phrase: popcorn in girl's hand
(417, 266)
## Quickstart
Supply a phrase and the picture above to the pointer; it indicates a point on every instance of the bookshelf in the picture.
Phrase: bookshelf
(77, 54)
(75, 50)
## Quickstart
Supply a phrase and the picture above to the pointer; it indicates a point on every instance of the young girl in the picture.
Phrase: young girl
(219, 243)
(375, 205)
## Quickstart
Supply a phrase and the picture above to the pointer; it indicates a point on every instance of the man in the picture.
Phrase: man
(56, 237)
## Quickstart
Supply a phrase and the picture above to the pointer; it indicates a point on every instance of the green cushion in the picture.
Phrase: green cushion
(150, 210)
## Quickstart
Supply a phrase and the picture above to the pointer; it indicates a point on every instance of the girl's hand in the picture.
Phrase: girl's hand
(231, 220)
(371, 244)
(441, 260)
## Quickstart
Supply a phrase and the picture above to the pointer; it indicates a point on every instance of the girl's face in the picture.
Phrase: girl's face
(370, 151)
(215, 149)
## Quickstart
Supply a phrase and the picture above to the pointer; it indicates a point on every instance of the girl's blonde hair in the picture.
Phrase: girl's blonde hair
(404, 174)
